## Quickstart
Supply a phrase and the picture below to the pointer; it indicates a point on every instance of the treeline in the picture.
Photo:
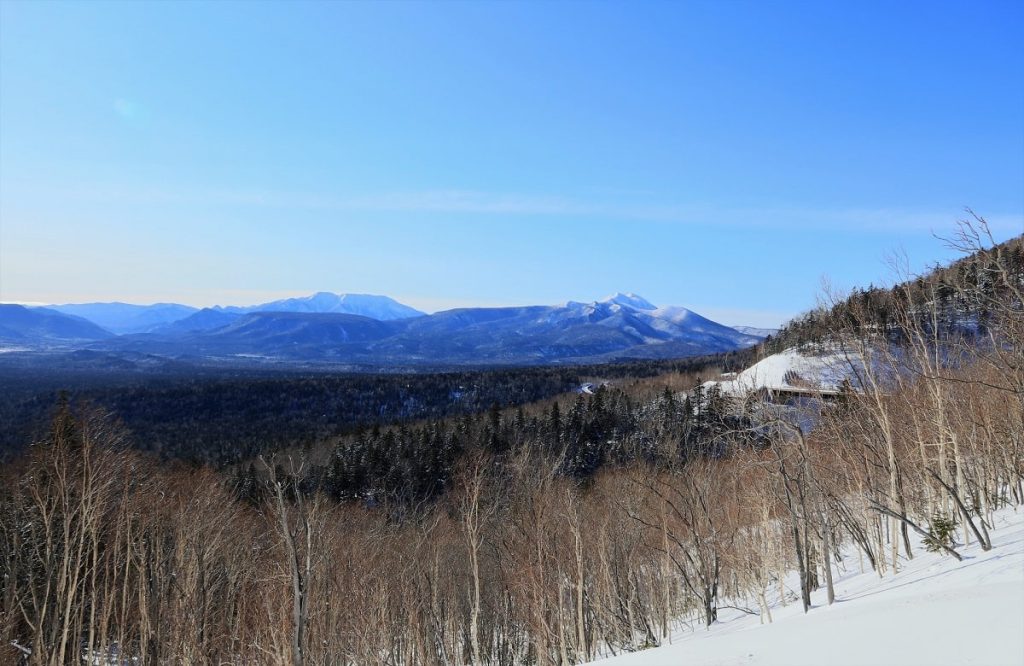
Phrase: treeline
(219, 418)
(936, 300)
(526, 552)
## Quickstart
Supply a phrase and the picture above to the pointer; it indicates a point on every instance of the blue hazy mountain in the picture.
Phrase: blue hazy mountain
(129, 318)
(206, 319)
(381, 308)
(124, 318)
(41, 326)
(287, 336)
(272, 329)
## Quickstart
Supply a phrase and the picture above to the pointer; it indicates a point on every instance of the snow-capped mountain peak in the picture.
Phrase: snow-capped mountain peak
(630, 300)
(381, 308)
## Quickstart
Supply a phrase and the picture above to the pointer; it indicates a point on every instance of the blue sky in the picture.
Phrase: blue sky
(723, 156)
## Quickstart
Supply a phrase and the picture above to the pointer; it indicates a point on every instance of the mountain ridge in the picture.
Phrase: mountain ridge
(381, 308)
(621, 326)
(23, 325)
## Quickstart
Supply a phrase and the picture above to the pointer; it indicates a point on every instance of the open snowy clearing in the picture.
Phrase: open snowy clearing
(934, 611)
(793, 369)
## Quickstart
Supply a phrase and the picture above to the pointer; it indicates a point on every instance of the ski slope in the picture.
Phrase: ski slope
(934, 611)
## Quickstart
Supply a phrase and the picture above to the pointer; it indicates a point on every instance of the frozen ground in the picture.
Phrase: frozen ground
(934, 611)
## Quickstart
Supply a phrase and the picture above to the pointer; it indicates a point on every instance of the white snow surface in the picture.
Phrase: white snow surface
(934, 611)
(792, 369)
(630, 300)
(673, 313)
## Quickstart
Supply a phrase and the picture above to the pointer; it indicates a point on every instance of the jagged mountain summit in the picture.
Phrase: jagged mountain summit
(378, 331)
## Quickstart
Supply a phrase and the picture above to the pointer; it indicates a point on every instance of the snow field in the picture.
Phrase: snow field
(934, 611)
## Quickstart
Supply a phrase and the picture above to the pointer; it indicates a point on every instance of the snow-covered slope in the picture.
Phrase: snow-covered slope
(381, 308)
(794, 370)
(630, 300)
(672, 322)
(755, 331)
(935, 611)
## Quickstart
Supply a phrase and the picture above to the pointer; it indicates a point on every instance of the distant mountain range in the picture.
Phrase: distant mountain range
(381, 308)
(757, 332)
(24, 326)
(376, 330)
(122, 318)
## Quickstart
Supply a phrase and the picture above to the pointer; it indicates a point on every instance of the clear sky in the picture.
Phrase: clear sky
(722, 156)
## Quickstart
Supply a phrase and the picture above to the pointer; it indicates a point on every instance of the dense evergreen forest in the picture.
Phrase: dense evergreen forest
(656, 421)
(220, 416)
(536, 527)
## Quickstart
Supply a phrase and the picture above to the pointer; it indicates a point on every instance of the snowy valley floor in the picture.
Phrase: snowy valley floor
(934, 611)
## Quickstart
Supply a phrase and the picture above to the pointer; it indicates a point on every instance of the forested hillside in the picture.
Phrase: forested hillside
(961, 300)
(546, 533)
(220, 416)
